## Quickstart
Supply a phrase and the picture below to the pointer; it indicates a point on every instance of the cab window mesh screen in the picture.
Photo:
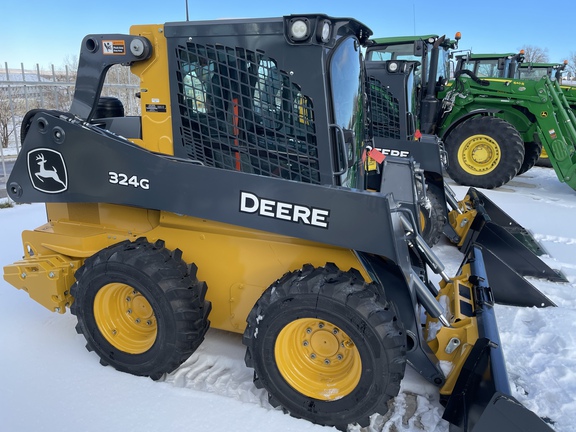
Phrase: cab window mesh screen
(384, 110)
(238, 111)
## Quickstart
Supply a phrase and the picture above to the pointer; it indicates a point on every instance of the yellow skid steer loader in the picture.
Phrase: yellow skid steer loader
(237, 200)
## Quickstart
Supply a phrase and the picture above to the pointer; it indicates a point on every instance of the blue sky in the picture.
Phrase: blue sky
(51, 32)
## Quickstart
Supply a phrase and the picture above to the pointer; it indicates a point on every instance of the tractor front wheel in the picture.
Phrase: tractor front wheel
(484, 152)
(140, 307)
(326, 346)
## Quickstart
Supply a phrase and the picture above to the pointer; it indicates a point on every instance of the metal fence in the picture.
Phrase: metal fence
(24, 89)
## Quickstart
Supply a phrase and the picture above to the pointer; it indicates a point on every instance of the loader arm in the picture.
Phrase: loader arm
(121, 172)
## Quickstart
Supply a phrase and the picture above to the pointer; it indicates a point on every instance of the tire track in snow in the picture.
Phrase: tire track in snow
(218, 367)
(407, 411)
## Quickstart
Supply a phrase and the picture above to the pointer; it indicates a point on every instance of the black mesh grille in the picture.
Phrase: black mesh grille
(238, 111)
(384, 110)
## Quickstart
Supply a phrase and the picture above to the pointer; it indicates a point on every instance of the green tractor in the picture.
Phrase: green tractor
(554, 72)
(492, 128)
(551, 70)
(513, 66)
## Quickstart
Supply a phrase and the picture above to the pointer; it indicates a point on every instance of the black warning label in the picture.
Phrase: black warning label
(113, 47)
(155, 108)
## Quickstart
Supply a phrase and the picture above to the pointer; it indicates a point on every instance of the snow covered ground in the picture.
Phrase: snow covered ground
(49, 382)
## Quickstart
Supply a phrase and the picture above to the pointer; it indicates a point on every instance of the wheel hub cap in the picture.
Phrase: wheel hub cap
(318, 359)
(125, 318)
(479, 154)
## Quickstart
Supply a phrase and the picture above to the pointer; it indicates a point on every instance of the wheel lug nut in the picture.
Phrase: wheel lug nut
(129, 311)
(137, 320)
(339, 357)
(149, 322)
(326, 362)
(321, 325)
(335, 331)
(114, 332)
(305, 343)
(308, 330)
(128, 299)
(312, 356)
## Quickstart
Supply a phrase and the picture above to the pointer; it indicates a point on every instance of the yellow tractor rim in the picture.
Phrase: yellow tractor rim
(125, 318)
(479, 154)
(318, 359)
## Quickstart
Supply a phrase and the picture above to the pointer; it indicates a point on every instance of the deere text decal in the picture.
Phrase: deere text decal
(251, 203)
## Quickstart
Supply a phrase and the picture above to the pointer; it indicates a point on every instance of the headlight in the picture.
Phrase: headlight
(393, 66)
(299, 29)
(325, 31)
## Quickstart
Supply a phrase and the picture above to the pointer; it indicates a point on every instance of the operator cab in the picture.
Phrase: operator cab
(490, 65)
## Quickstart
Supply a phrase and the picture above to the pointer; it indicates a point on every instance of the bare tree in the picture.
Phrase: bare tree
(571, 67)
(5, 117)
(123, 84)
(535, 54)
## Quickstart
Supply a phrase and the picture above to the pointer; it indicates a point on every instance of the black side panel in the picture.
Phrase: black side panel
(507, 240)
(508, 286)
(507, 414)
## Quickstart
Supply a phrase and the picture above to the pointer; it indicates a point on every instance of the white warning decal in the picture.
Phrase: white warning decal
(113, 47)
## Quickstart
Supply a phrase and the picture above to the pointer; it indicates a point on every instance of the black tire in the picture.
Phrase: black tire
(433, 219)
(532, 152)
(484, 152)
(326, 325)
(140, 307)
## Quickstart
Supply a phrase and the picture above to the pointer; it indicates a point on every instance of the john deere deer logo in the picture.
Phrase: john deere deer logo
(47, 170)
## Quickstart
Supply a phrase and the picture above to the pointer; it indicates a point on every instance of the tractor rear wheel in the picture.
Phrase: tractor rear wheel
(140, 307)
(532, 152)
(484, 152)
(326, 346)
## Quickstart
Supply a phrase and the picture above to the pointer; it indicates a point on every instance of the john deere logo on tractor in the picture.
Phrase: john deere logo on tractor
(47, 170)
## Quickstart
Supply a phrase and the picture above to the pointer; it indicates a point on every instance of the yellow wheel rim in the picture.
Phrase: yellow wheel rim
(479, 154)
(125, 318)
(318, 359)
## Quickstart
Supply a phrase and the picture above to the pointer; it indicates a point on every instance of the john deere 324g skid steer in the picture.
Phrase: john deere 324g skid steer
(238, 200)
